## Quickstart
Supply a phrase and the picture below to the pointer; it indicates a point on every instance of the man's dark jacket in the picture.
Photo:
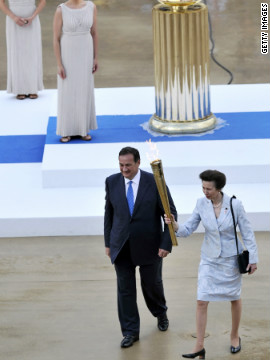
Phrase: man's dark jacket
(144, 228)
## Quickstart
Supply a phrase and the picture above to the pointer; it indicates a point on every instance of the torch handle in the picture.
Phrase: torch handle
(172, 234)
(166, 206)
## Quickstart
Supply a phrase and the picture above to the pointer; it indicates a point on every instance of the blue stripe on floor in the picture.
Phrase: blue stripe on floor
(22, 148)
(127, 128)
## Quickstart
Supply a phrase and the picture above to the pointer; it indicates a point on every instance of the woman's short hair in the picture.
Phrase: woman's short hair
(130, 150)
(218, 178)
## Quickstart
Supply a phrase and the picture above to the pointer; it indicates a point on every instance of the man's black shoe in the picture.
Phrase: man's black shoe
(163, 322)
(129, 340)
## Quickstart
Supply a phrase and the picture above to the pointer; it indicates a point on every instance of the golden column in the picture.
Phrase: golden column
(181, 57)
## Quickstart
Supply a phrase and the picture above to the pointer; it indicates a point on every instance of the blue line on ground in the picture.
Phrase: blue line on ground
(127, 128)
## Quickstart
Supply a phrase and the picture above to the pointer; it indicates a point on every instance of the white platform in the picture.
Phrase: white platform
(65, 194)
(88, 165)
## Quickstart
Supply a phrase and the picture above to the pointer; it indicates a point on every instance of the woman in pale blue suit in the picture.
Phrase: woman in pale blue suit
(218, 277)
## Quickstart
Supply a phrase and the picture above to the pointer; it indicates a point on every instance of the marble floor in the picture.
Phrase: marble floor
(126, 51)
(58, 302)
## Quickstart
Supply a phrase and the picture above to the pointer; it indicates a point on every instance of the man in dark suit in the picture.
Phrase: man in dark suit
(134, 237)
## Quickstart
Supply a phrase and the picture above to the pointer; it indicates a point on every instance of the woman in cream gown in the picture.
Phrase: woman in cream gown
(75, 46)
(24, 49)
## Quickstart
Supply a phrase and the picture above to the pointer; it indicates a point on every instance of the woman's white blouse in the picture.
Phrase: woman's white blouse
(219, 239)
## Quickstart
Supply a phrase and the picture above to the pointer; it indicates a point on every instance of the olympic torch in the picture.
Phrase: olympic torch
(157, 169)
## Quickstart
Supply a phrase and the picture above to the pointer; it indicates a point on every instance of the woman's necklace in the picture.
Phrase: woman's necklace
(218, 204)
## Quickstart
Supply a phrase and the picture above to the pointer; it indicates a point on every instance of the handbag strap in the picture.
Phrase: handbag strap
(234, 225)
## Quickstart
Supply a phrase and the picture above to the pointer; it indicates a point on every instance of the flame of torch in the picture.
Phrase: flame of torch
(157, 169)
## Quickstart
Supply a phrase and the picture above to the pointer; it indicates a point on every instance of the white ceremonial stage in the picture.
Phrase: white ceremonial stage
(64, 194)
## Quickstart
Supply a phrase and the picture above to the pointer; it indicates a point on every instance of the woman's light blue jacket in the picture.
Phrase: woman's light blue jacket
(219, 239)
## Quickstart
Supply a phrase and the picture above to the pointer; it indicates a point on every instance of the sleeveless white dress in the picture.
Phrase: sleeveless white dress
(24, 51)
(76, 104)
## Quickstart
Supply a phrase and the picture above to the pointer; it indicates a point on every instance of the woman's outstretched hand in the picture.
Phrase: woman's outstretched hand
(171, 220)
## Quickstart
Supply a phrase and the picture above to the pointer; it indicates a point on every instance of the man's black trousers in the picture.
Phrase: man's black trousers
(152, 288)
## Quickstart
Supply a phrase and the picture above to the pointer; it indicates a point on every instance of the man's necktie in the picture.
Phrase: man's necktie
(130, 198)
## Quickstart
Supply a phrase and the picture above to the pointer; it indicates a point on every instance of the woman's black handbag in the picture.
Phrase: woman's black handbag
(243, 258)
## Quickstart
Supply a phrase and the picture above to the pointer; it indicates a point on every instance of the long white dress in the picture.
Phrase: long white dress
(76, 104)
(24, 51)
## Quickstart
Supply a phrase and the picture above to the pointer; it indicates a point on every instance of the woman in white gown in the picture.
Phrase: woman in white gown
(75, 46)
(219, 278)
(24, 49)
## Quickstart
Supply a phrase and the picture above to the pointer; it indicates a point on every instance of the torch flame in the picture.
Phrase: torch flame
(154, 152)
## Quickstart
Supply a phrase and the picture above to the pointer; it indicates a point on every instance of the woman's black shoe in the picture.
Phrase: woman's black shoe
(236, 349)
(200, 353)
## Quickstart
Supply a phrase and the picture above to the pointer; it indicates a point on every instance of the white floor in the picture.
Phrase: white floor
(65, 194)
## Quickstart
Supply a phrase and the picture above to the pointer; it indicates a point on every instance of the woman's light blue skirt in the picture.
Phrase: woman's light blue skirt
(219, 279)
